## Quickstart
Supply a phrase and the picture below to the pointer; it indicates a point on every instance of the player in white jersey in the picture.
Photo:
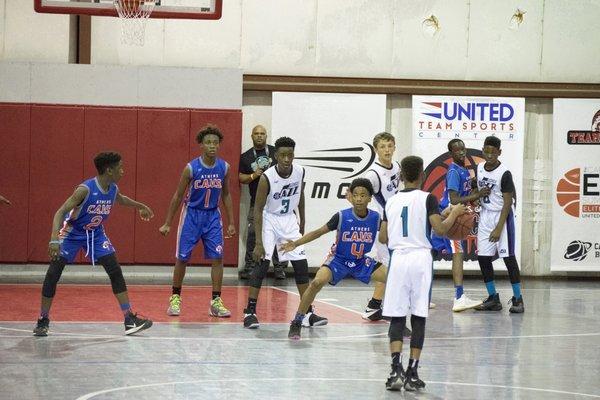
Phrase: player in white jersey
(496, 232)
(406, 228)
(280, 191)
(384, 175)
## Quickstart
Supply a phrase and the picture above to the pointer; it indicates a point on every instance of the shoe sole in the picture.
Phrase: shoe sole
(210, 313)
(142, 327)
(40, 334)
(294, 337)
(396, 387)
(464, 308)
(318, 323)
(376, 315)
(516, 312)
(252, 326)
(173, 313)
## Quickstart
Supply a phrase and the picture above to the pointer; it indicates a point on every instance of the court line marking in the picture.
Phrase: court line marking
(69, 335)
(321, 301)
(533, 389)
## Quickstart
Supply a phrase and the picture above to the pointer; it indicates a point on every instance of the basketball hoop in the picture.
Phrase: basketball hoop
(133, 15)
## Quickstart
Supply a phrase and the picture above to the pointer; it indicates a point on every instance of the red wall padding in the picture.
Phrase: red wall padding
(14, 181)
(44, 160)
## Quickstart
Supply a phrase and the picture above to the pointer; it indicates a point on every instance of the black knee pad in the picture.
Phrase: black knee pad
(53, 276)
(258, 274)
(513, 269)
(300, 271)
(396, 331)
(113, 269)
(418, 332)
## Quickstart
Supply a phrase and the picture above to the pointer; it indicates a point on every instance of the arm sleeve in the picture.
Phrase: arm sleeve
(333, 223)
(453, 181)
(432, 205)
(372, 176)
(506, 183)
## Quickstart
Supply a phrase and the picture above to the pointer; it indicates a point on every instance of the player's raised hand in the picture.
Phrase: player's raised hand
(146, 213)
(164, 230)
(287, 247)
(230, 231)
(259, 253)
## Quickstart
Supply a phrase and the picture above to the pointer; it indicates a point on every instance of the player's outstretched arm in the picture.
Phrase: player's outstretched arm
(184, 181)
(259, 205)
(309, 237)
(475, 194)
(228, 206)
(146, 213)
(442, 227)
(73, 201)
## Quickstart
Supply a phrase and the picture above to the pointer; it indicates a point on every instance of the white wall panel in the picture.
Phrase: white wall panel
(510, 52)
(421, 56)
(571, 41)
(354, 38)
(29, 36)
(279, 36)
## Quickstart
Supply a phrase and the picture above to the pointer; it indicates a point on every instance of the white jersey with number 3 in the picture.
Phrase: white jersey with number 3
(284, 193)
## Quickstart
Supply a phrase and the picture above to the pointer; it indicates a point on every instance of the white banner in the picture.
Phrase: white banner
(438, 119)
(576, 184)
(333, 134)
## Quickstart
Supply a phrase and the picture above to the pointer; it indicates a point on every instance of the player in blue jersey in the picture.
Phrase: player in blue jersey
(206, 180)
(457, 190)
(356, 230)
(82, 216)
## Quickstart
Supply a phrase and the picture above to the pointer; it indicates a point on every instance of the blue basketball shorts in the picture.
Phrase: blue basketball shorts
(195, 225)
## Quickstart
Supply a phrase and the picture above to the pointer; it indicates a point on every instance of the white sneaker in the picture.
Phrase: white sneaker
(432, 305)
(464, 303)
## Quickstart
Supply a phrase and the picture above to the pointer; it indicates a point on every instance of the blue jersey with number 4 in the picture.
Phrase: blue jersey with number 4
(206, 183)
(355, 235)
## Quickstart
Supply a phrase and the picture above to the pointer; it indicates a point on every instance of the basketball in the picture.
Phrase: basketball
(463, 226)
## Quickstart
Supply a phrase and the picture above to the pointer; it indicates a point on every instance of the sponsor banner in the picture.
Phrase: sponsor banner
(439, 119)
(576, 185)
(333, 134)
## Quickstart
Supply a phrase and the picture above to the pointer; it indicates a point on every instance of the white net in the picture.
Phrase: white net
(134, 15)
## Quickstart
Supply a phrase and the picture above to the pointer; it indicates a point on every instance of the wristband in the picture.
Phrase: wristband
(252, 176)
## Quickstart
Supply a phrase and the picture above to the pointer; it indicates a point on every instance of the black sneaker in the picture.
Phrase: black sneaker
(412, 381)
(492, 303)
(407, 332)
(279, 272)
(517, 305)
(134, 324)
(396, 379)
(373, 314)
(295, 328)
(312, 319)
(42, 327)
(250, 320)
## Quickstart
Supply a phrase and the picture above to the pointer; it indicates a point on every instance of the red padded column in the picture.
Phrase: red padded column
(14, 180)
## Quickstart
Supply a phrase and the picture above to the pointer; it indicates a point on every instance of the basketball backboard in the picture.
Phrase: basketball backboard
(182, 9)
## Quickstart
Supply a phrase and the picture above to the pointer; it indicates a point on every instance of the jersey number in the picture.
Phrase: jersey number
(207, 198)
(486, 199)
(286, 206)
(94, 223)
(358, 253)
(404, 217)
